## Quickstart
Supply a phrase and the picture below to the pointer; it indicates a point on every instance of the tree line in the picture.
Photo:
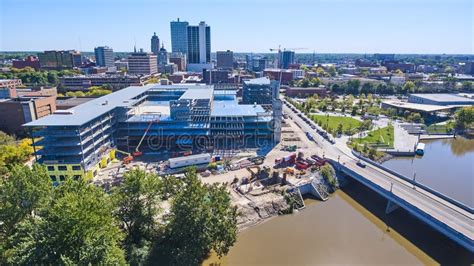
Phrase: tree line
(79, 223)
(28, 75)
(355, 87)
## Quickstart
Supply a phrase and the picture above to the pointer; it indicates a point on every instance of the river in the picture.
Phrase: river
(352, 227)
(447, 166)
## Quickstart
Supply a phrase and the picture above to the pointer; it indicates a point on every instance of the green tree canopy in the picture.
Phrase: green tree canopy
(201, 219)
(77, 228)
(137, 203)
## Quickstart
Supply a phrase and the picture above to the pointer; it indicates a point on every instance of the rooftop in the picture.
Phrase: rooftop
(442, 97)
(198, 92)
(87, 111)
(258, 81)
(232, 108)
(417, 106)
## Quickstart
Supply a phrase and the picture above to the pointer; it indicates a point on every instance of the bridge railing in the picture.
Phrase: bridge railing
(450, 232)
(411, 181)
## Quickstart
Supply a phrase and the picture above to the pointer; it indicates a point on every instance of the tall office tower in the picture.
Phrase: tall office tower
(199, 44)
(179, 36)
(155, 44)
(225, 59)
(142, 63)
(104, 56)
(286, 59)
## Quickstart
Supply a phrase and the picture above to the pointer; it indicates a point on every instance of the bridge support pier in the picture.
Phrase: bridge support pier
(390, 207)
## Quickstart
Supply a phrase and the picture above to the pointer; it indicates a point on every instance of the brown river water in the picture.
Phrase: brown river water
(352, 227)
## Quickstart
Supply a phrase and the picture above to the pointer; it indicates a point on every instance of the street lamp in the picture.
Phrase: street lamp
(414, 180)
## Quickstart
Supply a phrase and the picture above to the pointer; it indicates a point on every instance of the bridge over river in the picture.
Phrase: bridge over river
(451, 218)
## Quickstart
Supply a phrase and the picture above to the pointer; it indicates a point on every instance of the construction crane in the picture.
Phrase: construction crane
(279, 50)
(137, 151)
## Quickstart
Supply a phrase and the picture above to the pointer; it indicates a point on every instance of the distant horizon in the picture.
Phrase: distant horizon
(323, 26)
(238, 52)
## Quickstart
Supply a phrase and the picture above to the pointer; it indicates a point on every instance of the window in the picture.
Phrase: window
(76, 168)
(53, 177)
(50, 168)
(76, 177)
(61, 178)
(62, 168)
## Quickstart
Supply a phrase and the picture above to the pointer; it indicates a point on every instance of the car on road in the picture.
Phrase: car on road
(361, 164)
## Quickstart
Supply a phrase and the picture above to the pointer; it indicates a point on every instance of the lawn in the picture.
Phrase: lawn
(379, 137)
(330, 123)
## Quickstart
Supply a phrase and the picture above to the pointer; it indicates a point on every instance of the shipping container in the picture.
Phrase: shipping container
(184, 161)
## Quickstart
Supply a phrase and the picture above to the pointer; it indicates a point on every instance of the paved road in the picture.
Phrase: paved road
(447, 213)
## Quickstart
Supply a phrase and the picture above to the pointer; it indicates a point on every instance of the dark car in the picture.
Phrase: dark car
(361, 164)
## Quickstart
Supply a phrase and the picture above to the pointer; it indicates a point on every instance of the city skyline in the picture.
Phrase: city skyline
(361, 26)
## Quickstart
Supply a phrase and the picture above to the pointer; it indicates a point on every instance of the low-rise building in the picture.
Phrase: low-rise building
(58, 60)
(142, 63)
(283, 75)
(8, 88)
(29, 61)
(17, 111)
(117, 81)
(439, 99)
(322, 92)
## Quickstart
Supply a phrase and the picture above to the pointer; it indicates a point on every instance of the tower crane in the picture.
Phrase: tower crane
(279, 50)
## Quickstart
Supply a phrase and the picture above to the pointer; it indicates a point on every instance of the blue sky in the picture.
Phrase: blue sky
(325, 26)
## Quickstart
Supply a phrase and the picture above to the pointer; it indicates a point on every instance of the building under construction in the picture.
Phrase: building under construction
(149, 120)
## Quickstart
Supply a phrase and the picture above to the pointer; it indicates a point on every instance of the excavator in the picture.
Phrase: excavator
(137, 151)
(253, 175)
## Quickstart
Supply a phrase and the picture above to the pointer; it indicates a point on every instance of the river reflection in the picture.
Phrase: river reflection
(447, 166)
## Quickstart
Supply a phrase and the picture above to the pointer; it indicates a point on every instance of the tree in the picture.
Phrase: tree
(352, 87)
(12, 153)
(467, 86)
(464, 118)
(201, 219)
(24, 192)
(339, 128)
(137, 203)
(6, 139)
(76, 228)
(328, 173)
(332, 71)
(354, 111)
(408, 87)
(367, 88)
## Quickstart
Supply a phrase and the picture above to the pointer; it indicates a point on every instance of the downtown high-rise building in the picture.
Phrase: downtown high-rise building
(155, 44)
(286, 59)
(104, 56)
(194, 42)
(199, 44)
(179, 36)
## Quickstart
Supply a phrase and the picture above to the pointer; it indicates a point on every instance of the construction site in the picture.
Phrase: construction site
(266, 160)
(262, 186)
